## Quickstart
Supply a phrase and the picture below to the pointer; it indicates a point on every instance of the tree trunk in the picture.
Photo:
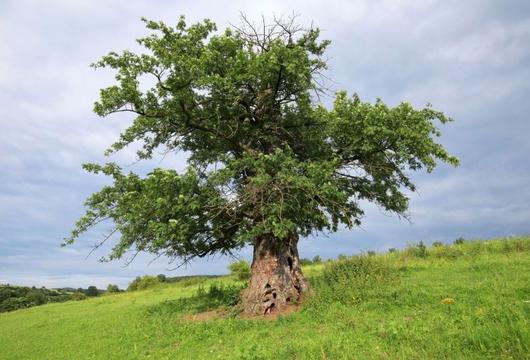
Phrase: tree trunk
(276, 278)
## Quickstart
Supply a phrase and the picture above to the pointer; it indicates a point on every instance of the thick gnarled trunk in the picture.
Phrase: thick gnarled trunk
(276, 278)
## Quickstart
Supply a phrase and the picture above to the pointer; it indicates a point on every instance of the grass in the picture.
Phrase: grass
(462, 301)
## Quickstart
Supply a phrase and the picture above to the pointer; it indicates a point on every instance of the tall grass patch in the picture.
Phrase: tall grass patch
(352, 280)
(214, 296)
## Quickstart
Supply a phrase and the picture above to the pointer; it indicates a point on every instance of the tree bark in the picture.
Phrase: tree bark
(276, 278)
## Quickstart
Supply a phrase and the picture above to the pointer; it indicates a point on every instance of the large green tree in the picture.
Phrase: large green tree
(268, 162)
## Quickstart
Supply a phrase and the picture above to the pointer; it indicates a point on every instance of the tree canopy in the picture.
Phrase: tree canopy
(266, 155)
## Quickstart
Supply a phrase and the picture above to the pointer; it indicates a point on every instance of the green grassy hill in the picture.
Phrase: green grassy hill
(470, 300)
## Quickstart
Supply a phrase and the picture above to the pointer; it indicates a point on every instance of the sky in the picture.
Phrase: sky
(470, 59)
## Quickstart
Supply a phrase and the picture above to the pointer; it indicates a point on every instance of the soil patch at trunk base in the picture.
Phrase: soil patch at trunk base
(206, 316)
(283, 311)
(222, 314)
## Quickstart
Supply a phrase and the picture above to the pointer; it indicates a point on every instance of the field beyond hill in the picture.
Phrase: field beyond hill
(468, 300)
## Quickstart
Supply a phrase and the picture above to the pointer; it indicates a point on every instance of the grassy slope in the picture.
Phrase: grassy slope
(402, 317)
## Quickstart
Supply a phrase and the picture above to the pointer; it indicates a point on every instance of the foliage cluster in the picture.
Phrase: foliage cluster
(143, 282)
(266, 157)
(315, 260)
(240, 269)
(113, 288)
(149, 281)
(78, 296)
(92, 291)
(19, 297)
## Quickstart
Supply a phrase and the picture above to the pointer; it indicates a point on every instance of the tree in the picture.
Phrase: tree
(113, 288)
(133, 286)
(240, 269)
(92, 291)
(268, 162)
(78, 296)
(37, 297)
(144, 282)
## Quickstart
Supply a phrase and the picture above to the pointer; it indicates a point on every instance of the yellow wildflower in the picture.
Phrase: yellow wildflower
(448, 301)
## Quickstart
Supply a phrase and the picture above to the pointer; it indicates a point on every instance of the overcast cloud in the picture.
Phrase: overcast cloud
(470, 59)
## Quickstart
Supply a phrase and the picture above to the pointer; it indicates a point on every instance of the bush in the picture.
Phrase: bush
(392, 250)
(15, 303)
(133, 286)
(162, 278)
(112, 288)
(18, 297)
(240, 269)
(37, 298)
(92, 291)
(459, 241)
(78, 296)
(437, 244)
(317, 259)
(370, 253)
(142, 283)
(305, 261)
(418, 250)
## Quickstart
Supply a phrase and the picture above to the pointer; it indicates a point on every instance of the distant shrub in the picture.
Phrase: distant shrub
(15, 303)
(305, 261)
(342, 257)
(193, 280)
(317, 259)
(113, 288)
(60, 298)
(417, 250)
(392, 250)
(459, 241)
(37, 298)
(437, 244)
(133, 286)
(517, 244)
(92, 291)
(370, 253)
(142, 283)
(19, 297)
(448, 252)
(161, 277)
(240, 269)
(78, 296)
(422, 249)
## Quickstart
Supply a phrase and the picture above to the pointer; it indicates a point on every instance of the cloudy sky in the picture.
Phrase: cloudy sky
(470, 59)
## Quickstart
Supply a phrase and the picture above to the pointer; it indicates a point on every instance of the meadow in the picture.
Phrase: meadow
(469, 300)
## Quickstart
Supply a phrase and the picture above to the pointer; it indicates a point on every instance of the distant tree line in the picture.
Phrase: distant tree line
(148, 281)
(20, 297)
(315, 260)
